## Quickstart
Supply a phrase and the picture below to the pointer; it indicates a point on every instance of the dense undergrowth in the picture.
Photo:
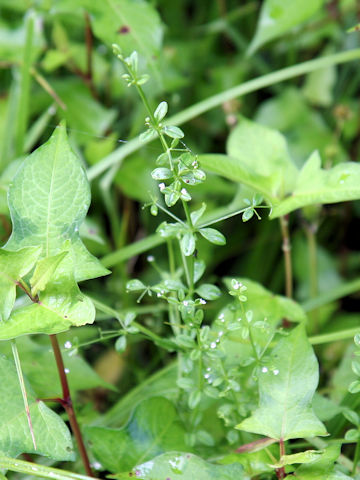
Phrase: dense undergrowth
(215, 332)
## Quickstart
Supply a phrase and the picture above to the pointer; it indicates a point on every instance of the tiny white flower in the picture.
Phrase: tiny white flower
(162, 186)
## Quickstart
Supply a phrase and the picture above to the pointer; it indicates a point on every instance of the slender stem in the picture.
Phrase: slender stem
(310, 231)
(334, 336)
(165, 210)
(356, 457)
(68, 405)
(174, 312)
(25, 84)
(191, 258)
(216, 100)
(286, 247)
(23, 389)
(28, 468)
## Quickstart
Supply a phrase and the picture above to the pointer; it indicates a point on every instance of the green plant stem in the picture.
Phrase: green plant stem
(335, 293)
(25, 82)
(28, 468)
(334, 336)
(191, 258)
(174, 312)
(286, 247)
(68, 405)
(310, 231)
(23, 389)
(356, 457)
(116, 157)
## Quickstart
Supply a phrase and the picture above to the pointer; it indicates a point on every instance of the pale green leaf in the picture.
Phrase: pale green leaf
(278, 17)
(44, 270)
(308, 456)
(13, 266)
(51, 434)
(184, 466)
(322, 468)
(285, 410)
(316, 185)
(257, 157)
(213, 235)
(60, 306)
(154, 428)
(48, 200)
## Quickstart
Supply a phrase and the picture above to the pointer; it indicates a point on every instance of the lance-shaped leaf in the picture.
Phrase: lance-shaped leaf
(153, 429)
(183, 466)
(48, 201)
(258, 157)
(13, 266)
(286, 391)
(60, 306)
(51, 434)
(315, 185)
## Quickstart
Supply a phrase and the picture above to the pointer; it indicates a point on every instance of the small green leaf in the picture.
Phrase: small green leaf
(208, 291)
(354, 387)
(52, 437)
(183, 466)
(284, 410)
(135, 285)
(162, 173)
(153, 428)
(44, 270)
(120, 344)
(161, 111)
(197, 214)
(173, 132)
(194, 399)
(248, 214)
(213, 236)
(148, 135)
(13, 266)
(188, 243)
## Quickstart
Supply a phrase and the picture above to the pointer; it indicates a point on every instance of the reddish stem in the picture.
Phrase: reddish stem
(67, 404)
(280, 472)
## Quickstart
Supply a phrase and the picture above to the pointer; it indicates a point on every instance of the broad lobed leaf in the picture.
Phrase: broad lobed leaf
(285, 410)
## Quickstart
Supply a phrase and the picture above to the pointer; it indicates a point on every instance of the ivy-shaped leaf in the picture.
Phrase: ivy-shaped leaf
(48, 201)
(286, 393)
(52, 437)
(183, 466)
(154, 428)
(13, 266)
(316, 185)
